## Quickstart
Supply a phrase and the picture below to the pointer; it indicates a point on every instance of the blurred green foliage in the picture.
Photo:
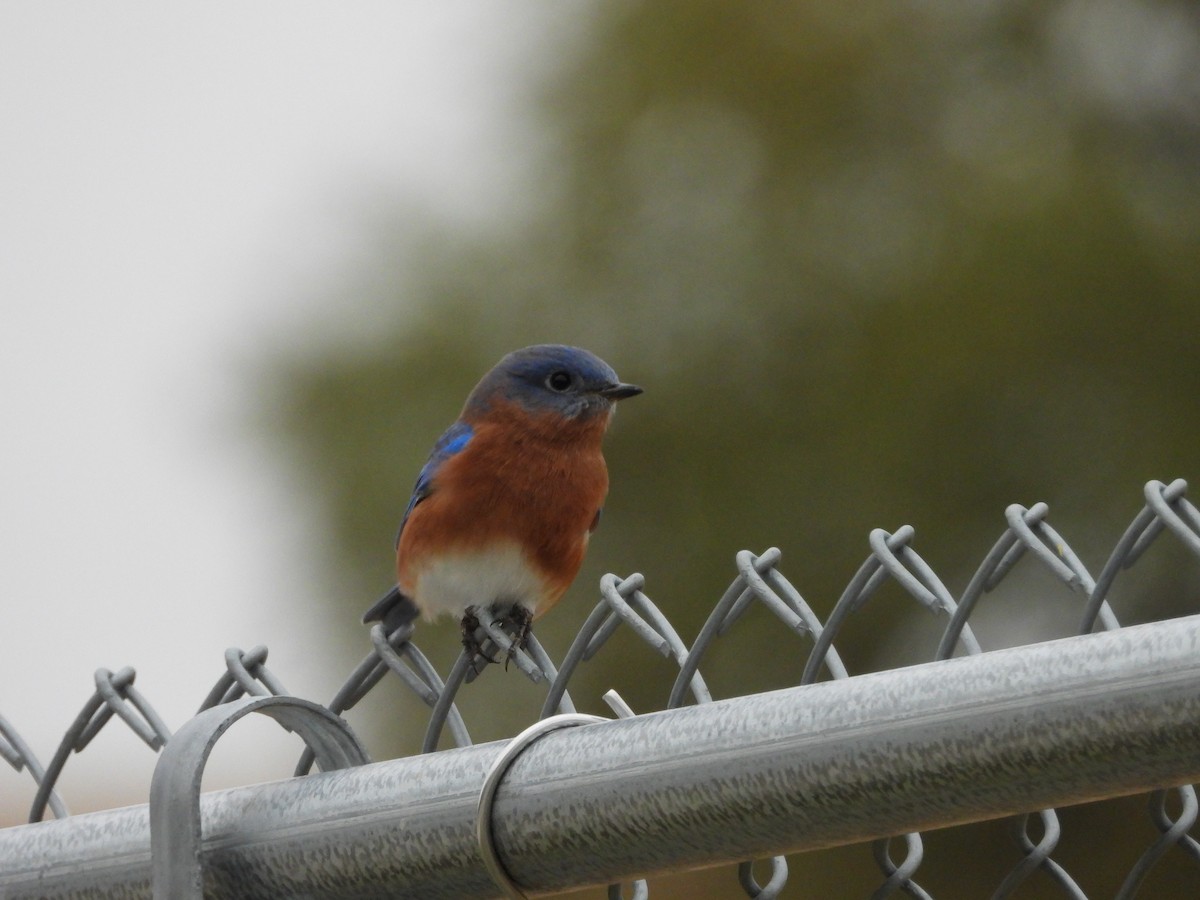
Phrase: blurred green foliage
(877, 264)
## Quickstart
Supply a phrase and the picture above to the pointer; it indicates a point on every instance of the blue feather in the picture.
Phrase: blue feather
(452, 441)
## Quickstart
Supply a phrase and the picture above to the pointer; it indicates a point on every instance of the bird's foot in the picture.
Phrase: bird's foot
(516, 623)
(470, 637)
(520, 620)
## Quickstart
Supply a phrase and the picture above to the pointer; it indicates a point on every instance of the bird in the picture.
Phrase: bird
(501, 512)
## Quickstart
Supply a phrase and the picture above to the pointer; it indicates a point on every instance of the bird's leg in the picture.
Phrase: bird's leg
(522, 620)
(470, 639)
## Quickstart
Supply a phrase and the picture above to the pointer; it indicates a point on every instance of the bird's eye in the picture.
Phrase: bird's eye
(558, 381)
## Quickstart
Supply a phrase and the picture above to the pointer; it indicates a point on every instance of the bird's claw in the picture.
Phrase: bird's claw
(521, 620)
(472, 646)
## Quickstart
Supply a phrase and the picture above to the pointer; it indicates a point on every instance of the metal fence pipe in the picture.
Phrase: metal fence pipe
(943, 743)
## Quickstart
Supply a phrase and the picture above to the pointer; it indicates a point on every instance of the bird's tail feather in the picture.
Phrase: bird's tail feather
(394, 609)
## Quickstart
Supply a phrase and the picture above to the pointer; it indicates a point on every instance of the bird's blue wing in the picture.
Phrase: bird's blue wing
(395, 609)
(455, 438)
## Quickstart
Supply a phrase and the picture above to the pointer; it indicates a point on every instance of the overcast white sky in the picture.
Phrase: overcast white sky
(172, 177)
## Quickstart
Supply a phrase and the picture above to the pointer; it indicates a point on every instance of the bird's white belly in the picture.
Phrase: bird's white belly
(499, 576)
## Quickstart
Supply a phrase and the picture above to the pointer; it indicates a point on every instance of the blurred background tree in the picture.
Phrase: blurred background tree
(883, 264)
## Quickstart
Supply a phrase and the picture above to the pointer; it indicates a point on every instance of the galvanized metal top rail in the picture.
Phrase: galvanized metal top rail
(842, 761)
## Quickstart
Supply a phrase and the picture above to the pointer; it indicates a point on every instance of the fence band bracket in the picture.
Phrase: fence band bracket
(175, 787)
(487, 794)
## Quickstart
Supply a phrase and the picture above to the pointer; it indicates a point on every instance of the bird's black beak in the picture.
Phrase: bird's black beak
(619, 391)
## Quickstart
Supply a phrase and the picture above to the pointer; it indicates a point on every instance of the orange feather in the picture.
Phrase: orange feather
(486, 496)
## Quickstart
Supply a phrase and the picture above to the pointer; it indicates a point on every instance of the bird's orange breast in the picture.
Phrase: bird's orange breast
(533, 481)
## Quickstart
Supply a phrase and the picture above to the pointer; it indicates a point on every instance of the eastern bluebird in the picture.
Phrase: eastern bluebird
(501, 512)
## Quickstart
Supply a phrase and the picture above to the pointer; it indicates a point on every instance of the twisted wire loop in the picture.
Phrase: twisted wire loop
(1166, 509)
(623, 603)
(246, 675)
(1027, 533)
(758, 579)
(1174, 833)
(18, 755)
(395, 653)
(1037, 856)
(892, 557)
(899, 877)
(773, 888)
(114, 695)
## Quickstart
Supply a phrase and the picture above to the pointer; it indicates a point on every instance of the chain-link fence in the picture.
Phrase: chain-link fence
(833, 760)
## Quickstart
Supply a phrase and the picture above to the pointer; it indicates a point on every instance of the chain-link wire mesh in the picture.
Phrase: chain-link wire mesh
(623, 604)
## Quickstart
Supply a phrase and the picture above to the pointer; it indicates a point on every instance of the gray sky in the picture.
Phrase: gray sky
(173, 180)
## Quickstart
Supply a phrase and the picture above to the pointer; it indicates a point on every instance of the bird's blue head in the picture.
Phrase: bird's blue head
(548, 378)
